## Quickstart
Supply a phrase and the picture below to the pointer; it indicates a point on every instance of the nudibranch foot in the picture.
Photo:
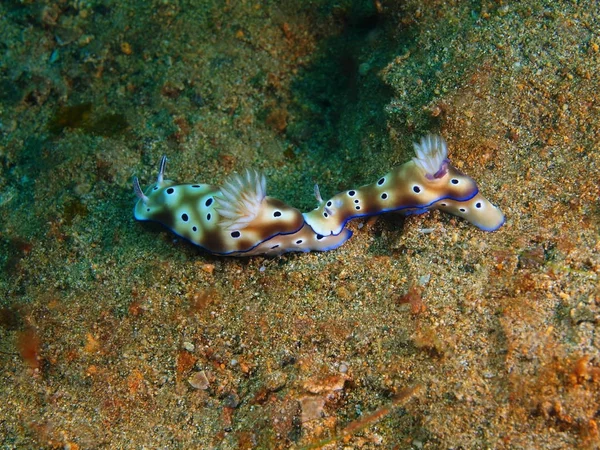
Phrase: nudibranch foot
(304, 240)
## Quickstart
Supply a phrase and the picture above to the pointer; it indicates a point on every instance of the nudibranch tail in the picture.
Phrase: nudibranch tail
(478, 210)
(413, 188)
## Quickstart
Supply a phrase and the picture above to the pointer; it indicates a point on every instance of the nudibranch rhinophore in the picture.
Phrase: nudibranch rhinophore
(425, 183)
(235, 219)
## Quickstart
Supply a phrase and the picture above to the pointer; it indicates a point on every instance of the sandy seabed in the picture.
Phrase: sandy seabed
(421, 332)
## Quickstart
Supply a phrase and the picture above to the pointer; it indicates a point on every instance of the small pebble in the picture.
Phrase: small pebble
(312, 408)
(276, 380)
(208, 268)
(54, 56)
(364, 68)
(126, 48)
(424, 279)
(327, 384)
(231, 400)
(189, 346)
(199, 381)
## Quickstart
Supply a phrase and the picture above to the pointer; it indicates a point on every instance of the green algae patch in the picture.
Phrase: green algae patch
(81, 117)
(71, 117)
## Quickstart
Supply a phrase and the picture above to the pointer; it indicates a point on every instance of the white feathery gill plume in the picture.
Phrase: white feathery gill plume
(431, 155)
(239, 199)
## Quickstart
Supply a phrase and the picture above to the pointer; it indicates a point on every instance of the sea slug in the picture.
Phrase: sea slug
(426, 182)
(239, 219)
(235, 219)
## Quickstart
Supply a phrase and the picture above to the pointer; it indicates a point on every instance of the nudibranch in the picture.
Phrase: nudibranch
(425, 183)
(235, 219)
